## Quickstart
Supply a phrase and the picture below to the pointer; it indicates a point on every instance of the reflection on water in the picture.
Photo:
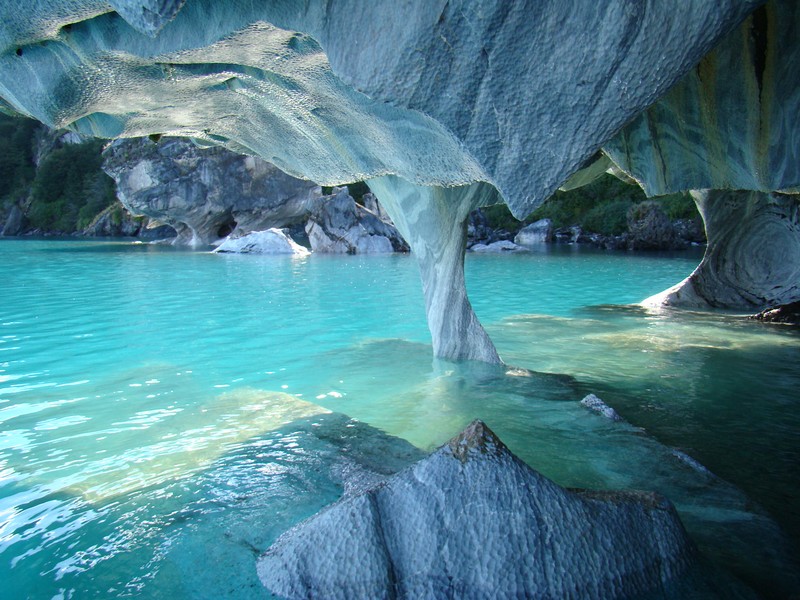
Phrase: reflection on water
(164, 410)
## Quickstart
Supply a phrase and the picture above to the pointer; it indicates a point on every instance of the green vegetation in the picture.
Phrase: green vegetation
(599, 207)
(70, 188)
(16, 158)
(67, 190)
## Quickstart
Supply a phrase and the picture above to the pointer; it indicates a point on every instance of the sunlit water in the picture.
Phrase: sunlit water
(165, 415)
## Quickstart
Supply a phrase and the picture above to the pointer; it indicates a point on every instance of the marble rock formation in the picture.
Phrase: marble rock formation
(271, 241)
(205, 193)
(731, 124)
(752, 260)
(498, 247)
(786, 313)
(337, 224)
(115, 221)
(535, 234)
(473, 521)
(447, 96)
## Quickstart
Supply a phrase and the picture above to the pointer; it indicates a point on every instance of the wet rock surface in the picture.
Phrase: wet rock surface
(473, 521)
(787, 313)
(271, 241)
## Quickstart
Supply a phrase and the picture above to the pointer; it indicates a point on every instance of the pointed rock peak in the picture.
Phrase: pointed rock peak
(476, 437)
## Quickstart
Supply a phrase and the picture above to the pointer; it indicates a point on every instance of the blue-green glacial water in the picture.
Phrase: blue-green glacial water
(165, 414)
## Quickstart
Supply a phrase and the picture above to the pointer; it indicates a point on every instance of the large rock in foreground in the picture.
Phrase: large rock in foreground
(473, 521)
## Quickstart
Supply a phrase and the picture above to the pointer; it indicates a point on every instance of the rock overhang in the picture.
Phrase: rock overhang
(516, 94)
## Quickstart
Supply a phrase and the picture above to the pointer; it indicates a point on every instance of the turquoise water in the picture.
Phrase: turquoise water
(165, 414)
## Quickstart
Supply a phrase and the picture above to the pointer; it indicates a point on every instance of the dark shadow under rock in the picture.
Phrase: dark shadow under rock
(788, 314)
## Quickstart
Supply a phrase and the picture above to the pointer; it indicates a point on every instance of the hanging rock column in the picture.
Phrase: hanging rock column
(433, 220)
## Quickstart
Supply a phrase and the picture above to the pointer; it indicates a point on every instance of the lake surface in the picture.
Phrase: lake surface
(165, 414)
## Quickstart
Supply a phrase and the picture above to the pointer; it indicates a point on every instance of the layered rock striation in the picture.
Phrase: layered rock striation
(752, 259)
(473, 521)
(729, 132)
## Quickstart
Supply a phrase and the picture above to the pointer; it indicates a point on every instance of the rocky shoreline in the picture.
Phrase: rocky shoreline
(653, 232)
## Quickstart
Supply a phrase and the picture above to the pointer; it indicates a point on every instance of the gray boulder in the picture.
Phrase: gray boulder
(338, 225)
(116, 221)
(205, 193)
(271, 241)
(540, 232)
(473, 521)
(498, 247)
(370, 202)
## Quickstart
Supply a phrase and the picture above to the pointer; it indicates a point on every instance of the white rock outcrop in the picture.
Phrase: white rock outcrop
(271, 241)
(535, 234)
(499, 247)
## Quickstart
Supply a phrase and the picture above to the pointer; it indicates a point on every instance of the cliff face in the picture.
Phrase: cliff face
(205, 193)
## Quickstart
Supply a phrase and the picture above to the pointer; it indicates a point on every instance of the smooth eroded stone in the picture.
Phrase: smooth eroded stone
(535, 234)
(473, 521)
(271, 241)
(752, 260)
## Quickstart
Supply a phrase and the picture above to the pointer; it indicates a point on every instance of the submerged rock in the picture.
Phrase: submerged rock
(271, 241)
(473, 521)
(595, 404)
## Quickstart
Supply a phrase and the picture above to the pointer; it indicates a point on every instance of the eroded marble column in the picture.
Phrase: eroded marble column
(433, 220)
(752, 260)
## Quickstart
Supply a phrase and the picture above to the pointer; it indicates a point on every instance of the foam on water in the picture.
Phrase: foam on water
(161, 410)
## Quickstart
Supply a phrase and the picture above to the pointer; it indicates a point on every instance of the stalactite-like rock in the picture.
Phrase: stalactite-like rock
(434, 223)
